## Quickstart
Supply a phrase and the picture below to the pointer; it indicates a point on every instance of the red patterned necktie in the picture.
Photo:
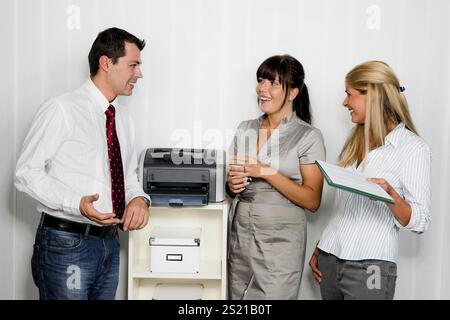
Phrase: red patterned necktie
(115, 164)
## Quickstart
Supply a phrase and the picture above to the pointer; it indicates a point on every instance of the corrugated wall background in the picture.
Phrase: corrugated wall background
(199, 79)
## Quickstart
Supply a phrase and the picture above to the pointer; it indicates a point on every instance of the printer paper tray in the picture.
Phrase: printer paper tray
(179, 200)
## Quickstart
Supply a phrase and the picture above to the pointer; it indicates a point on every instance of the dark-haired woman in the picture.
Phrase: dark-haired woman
(273, 179)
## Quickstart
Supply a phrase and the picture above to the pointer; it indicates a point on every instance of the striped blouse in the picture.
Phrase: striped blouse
(367, 229)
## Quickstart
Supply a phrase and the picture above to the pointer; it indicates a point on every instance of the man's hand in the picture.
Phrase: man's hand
(87, 209)
(136, 215)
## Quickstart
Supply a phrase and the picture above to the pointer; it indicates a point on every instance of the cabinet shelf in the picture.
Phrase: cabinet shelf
(209, 270)
(212, 219)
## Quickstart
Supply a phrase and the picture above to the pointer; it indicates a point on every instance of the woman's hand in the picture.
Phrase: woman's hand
(314, 265)
(401, 208)
(382, 183)
(237, 179)
(253, 168)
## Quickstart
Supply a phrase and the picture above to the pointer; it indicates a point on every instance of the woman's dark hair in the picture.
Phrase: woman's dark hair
(111, 43)
(291, 75)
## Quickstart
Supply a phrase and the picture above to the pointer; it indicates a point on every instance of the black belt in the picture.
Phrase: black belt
(76, 227)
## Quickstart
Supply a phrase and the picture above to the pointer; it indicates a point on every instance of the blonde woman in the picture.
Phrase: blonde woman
(358, 250)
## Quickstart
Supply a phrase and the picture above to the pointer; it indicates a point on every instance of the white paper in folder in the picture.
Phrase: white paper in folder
(352, 181)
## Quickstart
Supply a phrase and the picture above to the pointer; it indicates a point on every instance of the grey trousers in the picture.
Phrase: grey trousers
(267, 251)
(356, 280)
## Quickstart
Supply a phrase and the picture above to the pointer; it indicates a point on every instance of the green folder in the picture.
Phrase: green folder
(352, 181)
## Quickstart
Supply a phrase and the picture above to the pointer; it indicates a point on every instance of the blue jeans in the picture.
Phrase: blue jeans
(72, 266)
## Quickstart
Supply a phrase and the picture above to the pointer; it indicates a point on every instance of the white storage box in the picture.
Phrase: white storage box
(175, 250)
(170, 291)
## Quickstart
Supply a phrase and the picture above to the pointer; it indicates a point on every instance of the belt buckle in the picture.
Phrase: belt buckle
(108, 232)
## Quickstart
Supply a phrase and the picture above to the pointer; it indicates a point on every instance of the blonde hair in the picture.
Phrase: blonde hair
(385, 103)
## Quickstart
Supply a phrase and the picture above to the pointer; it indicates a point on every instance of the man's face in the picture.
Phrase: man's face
(124, 74)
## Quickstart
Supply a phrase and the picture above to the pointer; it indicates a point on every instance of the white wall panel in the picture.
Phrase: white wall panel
(7, 159)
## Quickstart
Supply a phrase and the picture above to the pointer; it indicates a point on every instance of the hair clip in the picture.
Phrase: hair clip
(402, 89)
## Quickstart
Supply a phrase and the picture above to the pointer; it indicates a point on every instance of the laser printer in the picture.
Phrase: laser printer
(183, 177)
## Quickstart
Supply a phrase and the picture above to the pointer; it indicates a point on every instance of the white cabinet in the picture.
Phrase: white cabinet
(212, 220)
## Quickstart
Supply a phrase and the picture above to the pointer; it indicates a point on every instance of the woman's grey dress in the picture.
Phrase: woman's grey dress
(267, 233)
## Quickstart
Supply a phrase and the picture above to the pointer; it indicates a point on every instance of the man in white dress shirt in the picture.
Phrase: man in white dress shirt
(78, 161)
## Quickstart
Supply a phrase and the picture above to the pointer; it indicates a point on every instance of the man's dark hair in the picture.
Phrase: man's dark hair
(111, 43)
